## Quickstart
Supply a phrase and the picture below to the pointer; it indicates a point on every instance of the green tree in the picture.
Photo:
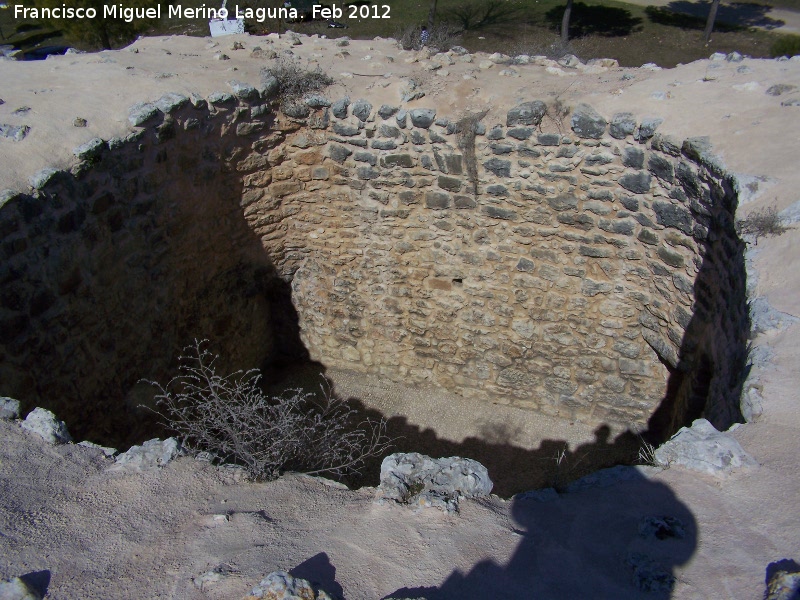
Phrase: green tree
(100, 32)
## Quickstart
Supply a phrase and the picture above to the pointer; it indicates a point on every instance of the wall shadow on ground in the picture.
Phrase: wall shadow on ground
(513, 469)
(734, 15)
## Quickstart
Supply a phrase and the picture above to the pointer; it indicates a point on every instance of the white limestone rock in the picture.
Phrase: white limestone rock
(9, 408)
(45, 424)
(150, 456)
(279, 585)
(704, 449)
(423, 481)
(17, 589)
(104, 449)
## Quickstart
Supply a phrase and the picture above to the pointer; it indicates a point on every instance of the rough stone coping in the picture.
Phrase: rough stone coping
(703, 449)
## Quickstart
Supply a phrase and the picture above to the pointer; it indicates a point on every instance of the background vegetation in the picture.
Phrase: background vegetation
(605, 28)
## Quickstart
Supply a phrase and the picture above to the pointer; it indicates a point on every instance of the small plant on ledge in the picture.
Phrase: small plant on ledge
(230, 418)
(762, 222)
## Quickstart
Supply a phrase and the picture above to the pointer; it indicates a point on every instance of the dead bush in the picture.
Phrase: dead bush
(294, 80)
(230, 418)
(763, 222)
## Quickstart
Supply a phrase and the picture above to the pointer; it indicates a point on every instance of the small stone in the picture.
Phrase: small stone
(661, 528)
(151, 455)
(43, 177)
(401, 118)
(243, 91)
(496, 212)
(638, 183)
(109, 452)
(79, 122)
(670, 257)
(526, 265)
(18, 589)
(386, 111)
(169, 103)
(339, 107)
(622, 124)
(676, 217)
(16, 133)
(422, 117)
(220, 98)
(783, 580)
(424, 481)
(295, 110)
(527, 113)
(501, 168)
(279, 585)
(570, 61)
(91, 150)
(140, 113)
(495, 133)
(361, 109)
(269, 85)
(520, 133)
(780, 88)
(647, 129)
(549, 139)
(45, 424)
(9, 408)
(345, 130)
(339, 153)
(437, 200)
(451, 184)
(704, 449)
(587, 122)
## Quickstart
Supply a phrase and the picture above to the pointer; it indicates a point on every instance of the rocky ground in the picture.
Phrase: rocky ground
(86, 533)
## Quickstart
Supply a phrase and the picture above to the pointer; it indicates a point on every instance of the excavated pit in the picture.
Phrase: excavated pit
(596, 279)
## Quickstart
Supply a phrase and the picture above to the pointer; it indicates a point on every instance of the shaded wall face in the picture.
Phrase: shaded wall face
(108, 275)
(585, 278)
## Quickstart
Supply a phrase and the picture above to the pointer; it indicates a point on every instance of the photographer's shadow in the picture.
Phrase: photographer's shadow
(606, 541)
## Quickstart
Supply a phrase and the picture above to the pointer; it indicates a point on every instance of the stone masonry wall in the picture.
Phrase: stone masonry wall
(566, 284)
(578, 274)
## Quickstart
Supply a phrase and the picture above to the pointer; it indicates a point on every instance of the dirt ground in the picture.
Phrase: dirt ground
(85, 533)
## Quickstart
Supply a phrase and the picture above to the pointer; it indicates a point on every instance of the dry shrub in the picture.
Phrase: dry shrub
(294, 80)
(230, 418)
(763, 222)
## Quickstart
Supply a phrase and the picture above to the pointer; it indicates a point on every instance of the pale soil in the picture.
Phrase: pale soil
(147, 536)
